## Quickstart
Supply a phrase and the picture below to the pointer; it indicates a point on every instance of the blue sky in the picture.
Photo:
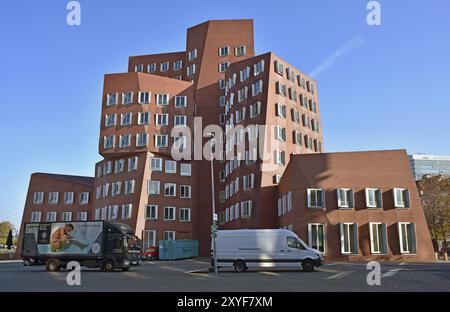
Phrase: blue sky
(388, 87)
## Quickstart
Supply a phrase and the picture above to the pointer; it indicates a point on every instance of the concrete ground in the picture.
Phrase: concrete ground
(193, 275)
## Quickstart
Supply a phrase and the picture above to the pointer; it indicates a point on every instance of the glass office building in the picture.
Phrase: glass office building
(429, 164)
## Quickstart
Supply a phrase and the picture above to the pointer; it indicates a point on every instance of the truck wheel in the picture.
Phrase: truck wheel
(307, 265)
(108, 266)
(240, 266)
(52, 265)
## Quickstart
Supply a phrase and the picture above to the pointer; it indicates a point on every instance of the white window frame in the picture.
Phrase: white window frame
(172, 216)
(161, 136)
(182, 219)
(189, 188)
(66, 216)
(348, 201)
(127, 210)
(127, 98)
(51, 216)
(144, 97)
(36, 216)
(184, 171)
(156, 190)
(170, 186)
(353, 250)
(84, 198)
(156, 164)
(68, 198)
(53, 198)
(111, 99)
(377, 196)
(142, 120)
(38, 198)
(311, 239)
(382, 238)
(180, 101)
(164, 67)
(224, 51)
(162, 99)
(141, 139)
(405, 203)
(170, 166)
(151, 212)
(82, 216)
(310, 192)
(169, 233)
(409, 240)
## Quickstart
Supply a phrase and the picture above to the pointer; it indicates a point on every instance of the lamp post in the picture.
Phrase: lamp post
(214, 226)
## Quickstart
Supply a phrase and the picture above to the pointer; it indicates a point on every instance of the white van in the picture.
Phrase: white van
(243, 249)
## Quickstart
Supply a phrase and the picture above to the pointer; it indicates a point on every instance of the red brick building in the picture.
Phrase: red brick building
(167, 104)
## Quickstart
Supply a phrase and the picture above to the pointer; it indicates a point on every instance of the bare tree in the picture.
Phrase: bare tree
(435, 193)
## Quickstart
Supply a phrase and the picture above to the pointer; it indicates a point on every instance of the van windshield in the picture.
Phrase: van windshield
(293, 242)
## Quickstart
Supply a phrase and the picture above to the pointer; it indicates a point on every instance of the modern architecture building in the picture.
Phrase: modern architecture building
(258, 116)
(423, 165)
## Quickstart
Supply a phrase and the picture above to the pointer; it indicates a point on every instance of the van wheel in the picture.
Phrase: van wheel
(108, 266)
(52, 265)
(307, 265)
(240, 266)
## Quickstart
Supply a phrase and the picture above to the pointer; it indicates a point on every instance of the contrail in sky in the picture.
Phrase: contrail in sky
(347, 48)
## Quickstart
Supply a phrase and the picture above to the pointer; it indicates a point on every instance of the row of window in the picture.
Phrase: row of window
(248, 183)
(149, 238)
(307, 122)
(156, 164)
(291, 93)
(317, 237)
(143, 118)
(242, 94)
(111, 212)
(242, 209)
(53, 198)
(169, 189)
(102, 191)
(239, 50)
(163, 67)
(180, 101)
(51, 216)
(293, 77)
(160, 141)
(345, 199)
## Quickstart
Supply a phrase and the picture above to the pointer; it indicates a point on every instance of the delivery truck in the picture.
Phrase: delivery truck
(94, 244)
(243, 249)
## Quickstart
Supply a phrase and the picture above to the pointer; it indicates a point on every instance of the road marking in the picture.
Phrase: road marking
(134, 275)
(391, 273)
(403, 263)
(339, 275)
(202, 270)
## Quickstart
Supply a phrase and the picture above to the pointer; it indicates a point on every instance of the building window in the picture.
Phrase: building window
(276, 178)
(82, 216)
(143, 118)
(53, 197)
(161, 140)
(144, 97)
(240, 50)
(126, 211)
(132, 164)
(180, 121)
(246, 209)
(156, 164)
(119, 165)
(164, 66)
(223, 51)
(111, 99)
(222, 84)
(153, 187)
(349, 238)
(110, 120)
(280, 110)
(280, 133)
(345, 198)
(51, 216)
(281, 88)
(141, 139)
(297, 137)
(107, 167)
(108, 141)
(116, 188)
(244, 74)
(169, 213)
(151, 67)
(280, 157)
(171, 166)
(149, 239)
(373, 198)
(162, 99)
(124, 140)
(35, 216)
(162, 120)
(180, 101)
(316, 236)
(105, 190)
(378, 238)
(316, 198)
(401, 198)
(223, 66)
(185, 170)
(190, 70)
(68, 198)
(255, 109)
(185, 191)
(38, 197)
(84, 198)
(66, 216)
(177, 65)
(279, 68)
(407, 237)
(257, 88)
(185, 214)
(170, 189)
(151, 212)
(258, 68)
(129, 187)
(112, 212)
(169, 235)
(127, 98)
(248, 181)
(192, 55)
(126, 118)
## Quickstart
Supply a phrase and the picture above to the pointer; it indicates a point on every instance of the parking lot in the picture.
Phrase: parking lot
(193, 275)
